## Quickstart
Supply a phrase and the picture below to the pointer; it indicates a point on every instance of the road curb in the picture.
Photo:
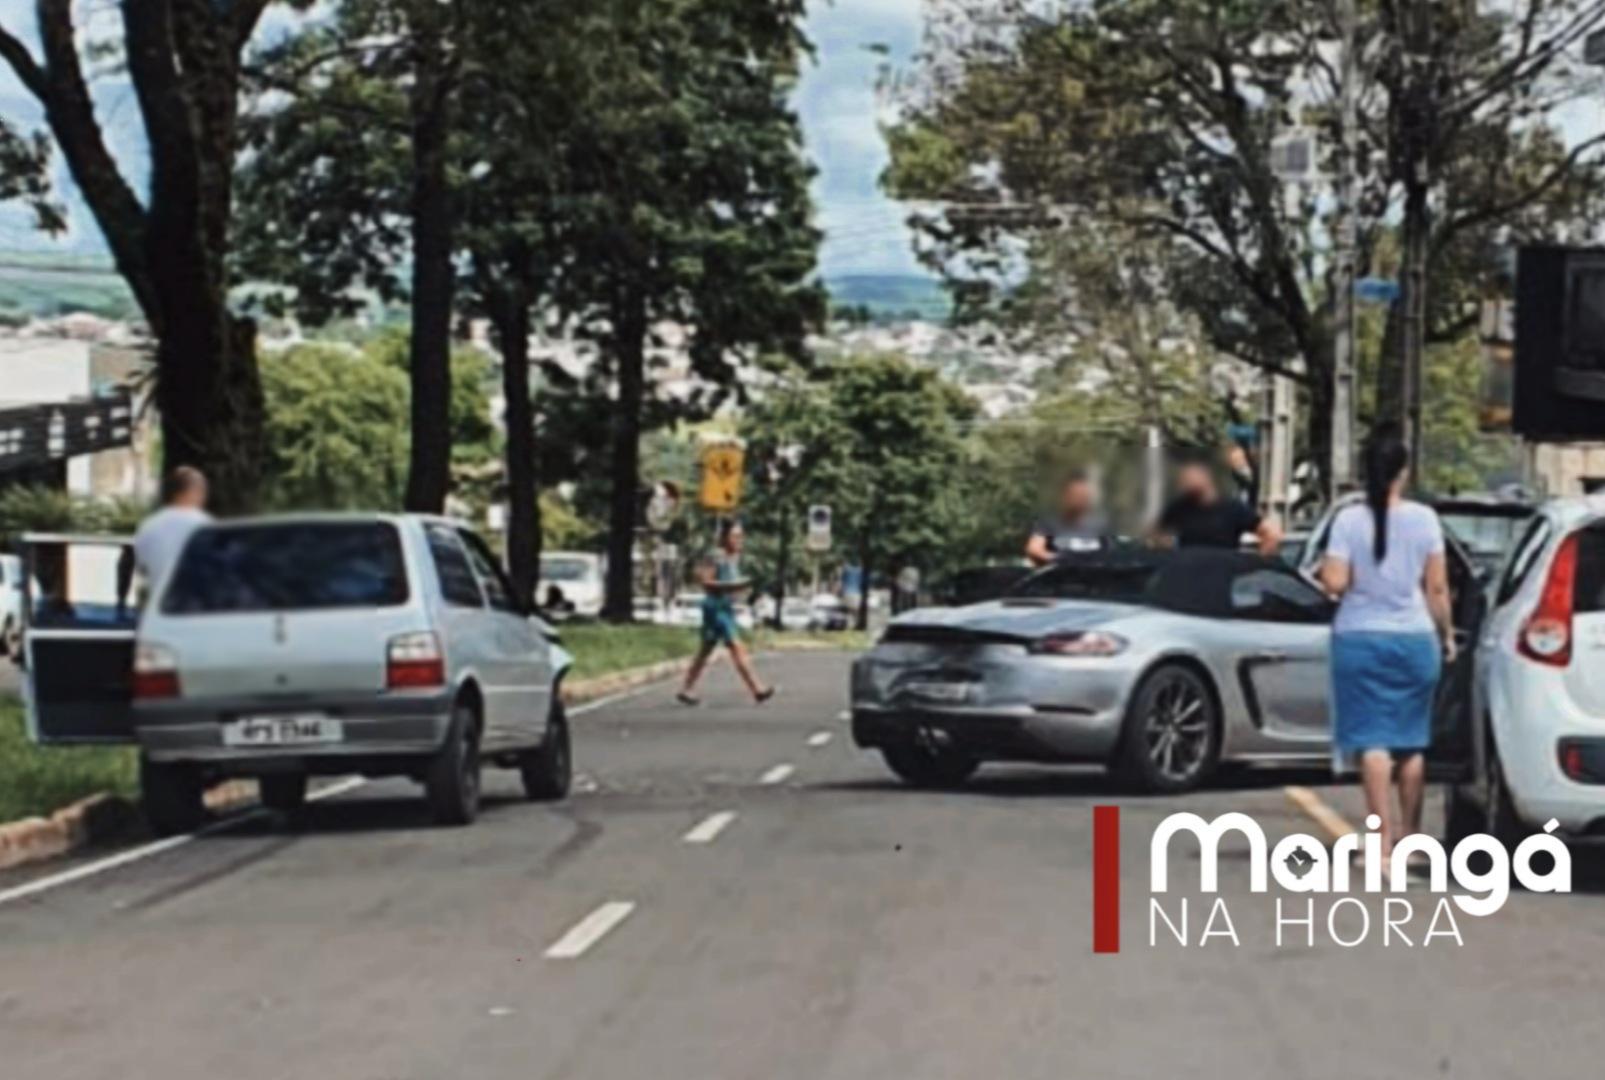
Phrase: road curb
(1316, 808)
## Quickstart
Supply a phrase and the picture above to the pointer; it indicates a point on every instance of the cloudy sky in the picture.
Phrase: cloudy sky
(836, 99)
(840, 113)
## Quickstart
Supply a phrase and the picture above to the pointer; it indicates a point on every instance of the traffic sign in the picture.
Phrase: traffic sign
(1376, 290)
(818, 529)
(723, 466)
(662, 505)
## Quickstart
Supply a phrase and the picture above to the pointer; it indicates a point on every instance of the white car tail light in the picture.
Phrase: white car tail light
(1546, 637)
(155, 672)
(414, 660)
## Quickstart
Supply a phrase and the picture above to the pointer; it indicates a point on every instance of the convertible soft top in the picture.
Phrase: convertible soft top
(1192, 581)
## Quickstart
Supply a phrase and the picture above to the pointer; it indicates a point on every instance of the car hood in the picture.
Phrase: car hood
(1016, 618)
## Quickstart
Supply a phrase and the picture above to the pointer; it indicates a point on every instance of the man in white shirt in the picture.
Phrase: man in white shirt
(162, 536)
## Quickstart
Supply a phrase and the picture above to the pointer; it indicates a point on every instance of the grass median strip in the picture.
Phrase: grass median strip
(36, 781)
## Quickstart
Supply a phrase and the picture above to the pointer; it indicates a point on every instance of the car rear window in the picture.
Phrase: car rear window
(1589, 597)
(289, 567)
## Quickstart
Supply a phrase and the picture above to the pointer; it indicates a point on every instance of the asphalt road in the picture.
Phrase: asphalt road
(835, 925)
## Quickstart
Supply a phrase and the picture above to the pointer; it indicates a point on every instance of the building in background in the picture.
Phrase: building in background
(74, 412)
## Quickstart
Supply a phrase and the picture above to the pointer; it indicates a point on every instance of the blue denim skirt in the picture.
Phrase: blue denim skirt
(1382, 692)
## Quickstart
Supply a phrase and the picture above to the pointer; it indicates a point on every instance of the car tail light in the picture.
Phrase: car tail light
(1546, 637)
(155, 672)
(1080, 643)
(1571, 761)
(414, 660)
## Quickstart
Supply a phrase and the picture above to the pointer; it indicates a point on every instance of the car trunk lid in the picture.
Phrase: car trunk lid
(285, 609)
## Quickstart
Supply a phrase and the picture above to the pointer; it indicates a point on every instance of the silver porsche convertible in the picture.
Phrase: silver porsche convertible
(1162, 664)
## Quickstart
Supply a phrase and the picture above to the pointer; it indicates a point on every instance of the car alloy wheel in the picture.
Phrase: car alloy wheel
(1171, 737)
(1176, 729)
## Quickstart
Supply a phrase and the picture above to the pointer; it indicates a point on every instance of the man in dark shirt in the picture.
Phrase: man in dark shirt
(1077, 527)
(1200, 516)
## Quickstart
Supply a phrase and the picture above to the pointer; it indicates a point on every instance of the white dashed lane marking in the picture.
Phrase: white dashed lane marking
(589, 930)
(818, 739)
(708, 829)
(777, 774)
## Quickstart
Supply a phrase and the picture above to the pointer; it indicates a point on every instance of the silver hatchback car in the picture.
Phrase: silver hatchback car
(286, 647)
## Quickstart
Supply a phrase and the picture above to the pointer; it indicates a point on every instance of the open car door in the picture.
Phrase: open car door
(79, 614)
(1449, 755)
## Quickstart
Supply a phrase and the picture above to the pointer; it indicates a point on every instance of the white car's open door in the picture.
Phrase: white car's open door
(79, 614)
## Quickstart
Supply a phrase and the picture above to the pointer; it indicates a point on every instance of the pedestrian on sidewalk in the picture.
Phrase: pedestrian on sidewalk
(721, 579)
(1393, 634)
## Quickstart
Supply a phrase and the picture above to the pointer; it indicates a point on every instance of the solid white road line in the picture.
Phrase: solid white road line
(818, 739)
(708, 829)
(589, 930)
(146, 851)
(778, 774)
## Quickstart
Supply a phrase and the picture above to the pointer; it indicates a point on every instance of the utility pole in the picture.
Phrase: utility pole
(1416, 118)
(1341, 474)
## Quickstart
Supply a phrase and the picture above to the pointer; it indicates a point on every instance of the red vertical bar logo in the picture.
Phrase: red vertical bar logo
(1106, 879)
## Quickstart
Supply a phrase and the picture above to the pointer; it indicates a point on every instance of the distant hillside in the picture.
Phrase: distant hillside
(47, 285)
(40, 285)
(891, 297)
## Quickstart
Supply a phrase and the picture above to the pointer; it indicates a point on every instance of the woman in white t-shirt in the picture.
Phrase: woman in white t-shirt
(1392, 635)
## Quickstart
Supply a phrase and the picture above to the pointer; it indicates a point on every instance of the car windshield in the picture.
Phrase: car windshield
(289, 567)
(1128, 583)
(1485, 535)
(565, 569)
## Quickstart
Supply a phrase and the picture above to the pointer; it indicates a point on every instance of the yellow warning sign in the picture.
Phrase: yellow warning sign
(723, 465)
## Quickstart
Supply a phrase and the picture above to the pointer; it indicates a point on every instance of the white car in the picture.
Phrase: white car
(686, 610)
(575, 576)
(286, 647)
(10, 604)
(1538, 704)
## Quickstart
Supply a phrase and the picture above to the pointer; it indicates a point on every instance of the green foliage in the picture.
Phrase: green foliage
(337, 424)
(37, 781)
(883, 443)
(47, 510)
(599, 648)
(1161, 116)
(336, 429)
(562, 528)
(1457, 456)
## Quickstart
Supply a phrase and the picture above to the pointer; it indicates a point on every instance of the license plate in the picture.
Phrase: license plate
(282, 731)
(949, 692)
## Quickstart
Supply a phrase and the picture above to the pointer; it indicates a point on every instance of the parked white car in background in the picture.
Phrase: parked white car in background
(1538, 735)
(686, 610)
(576, 576)
(10, 604)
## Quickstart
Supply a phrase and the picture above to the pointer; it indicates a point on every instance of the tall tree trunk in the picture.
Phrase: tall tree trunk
(209, 396)
(782, 565)
(523, 508)
(864, 576)
(429, 473)
(1390, 371)
(629, 346)
(1321, 420)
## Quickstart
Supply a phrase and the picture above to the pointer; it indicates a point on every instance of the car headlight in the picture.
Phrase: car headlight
(1080, 643)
